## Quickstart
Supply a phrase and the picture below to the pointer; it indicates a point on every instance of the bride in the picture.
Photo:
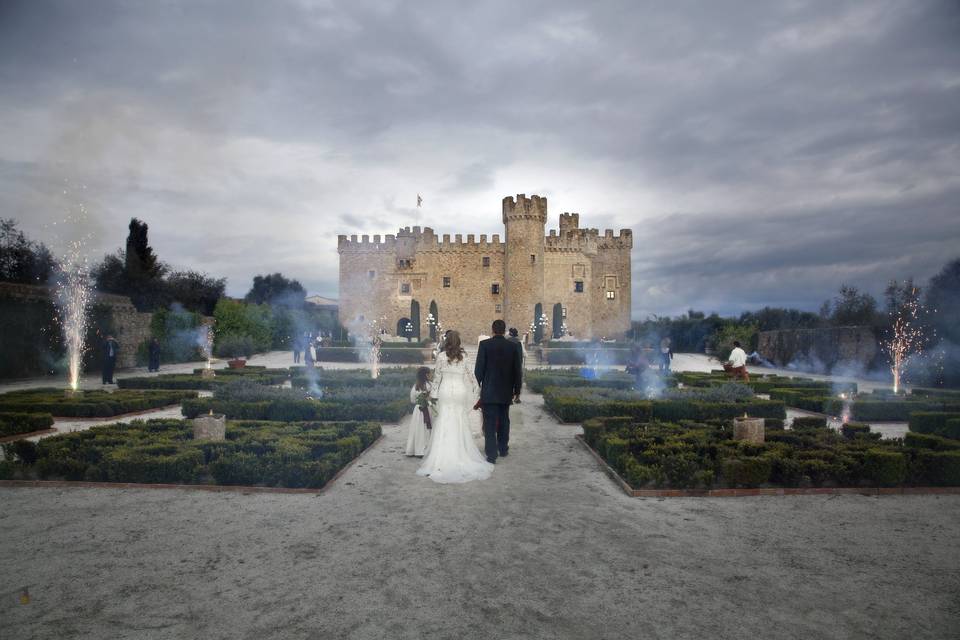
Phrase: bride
(453, 456)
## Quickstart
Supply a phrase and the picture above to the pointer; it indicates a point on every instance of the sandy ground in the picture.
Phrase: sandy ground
(546, 548)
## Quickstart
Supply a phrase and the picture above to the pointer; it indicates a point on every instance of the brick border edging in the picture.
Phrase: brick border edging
(215, 488)
(779, 491)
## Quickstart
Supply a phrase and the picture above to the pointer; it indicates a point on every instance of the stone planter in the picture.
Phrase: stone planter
(237, 363)
(749, 429)
(208, 373)
(212, 426)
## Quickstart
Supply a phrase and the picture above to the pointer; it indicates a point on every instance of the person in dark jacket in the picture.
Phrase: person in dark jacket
(499, 370)
(154, 361)
(110, 350)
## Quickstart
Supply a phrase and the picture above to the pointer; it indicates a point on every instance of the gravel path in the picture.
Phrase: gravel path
(547, 548)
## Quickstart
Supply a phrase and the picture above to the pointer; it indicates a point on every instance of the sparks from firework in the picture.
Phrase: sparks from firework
(74, 293)
(906, 337)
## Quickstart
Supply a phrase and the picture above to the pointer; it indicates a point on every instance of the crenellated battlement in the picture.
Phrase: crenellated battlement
(414, 240)
(524, 208)
(588, 240)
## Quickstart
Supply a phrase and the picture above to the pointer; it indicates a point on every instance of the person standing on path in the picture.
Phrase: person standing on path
(110, 350)
(666, 355)
(499, 370)
(736, 364)
(153, 363)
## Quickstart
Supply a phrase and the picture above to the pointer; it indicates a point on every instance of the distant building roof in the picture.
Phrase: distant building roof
(321, 301)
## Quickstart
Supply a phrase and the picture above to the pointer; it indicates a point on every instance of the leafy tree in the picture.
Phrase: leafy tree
(21, 259)
(774, 319)
(142, 270)
(276, 289)
(943, 302)
(110, 275)
(195, 291)
(724, 338)
(236, 318)
(850, 307)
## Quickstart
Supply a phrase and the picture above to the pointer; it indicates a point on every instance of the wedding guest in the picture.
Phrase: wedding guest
(308, 350)
(154, 351)
(418, 435)
(297, 348)
(110, 350)
(736, 365)
(514, 337)
(666, 355)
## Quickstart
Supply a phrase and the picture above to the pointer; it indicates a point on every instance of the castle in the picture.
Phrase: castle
(574, 281)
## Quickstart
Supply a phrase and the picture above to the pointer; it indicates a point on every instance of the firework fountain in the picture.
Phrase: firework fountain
(906, 337)
(73, 296)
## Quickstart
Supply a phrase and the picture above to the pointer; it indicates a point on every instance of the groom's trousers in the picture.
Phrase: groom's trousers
(496, 429)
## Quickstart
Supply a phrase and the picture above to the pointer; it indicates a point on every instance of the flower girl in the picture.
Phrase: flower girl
(418, 437)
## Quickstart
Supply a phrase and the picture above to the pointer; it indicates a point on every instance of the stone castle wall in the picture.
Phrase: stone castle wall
(821, 350)
(130, 326)
(380, 278)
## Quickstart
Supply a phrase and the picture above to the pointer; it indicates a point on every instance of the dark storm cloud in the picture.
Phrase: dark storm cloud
(762, 152)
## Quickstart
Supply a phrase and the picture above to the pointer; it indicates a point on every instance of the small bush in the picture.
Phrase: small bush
(12, 424)
(939, 468)
(885, 468)
(808, 422)
(852, 430)
(929, 441)
(746, 472)
(942, 423)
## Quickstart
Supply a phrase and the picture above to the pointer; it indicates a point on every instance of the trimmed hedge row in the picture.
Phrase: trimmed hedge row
(197, 381)
(298, 410)
(402, 355)
(538, 381)
(354, 378)
(577, 405)
(89, 404)
(573, 356)
(942, 423)
(163, 451)
(12, 424)
(693, 455)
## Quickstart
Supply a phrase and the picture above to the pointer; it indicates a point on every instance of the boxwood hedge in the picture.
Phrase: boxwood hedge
(16, 423)
(305, 454)
(90, 404)
(944, 423)
(692, 454)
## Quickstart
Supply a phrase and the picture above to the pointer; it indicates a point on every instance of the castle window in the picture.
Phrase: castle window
(578, 286)
(563, 313)
(446, 282)
(495, 289)
(404, 263)
(405, 288)
(485, 261)
(371, 274)
(499, 308)
(611, 295)
(533, 258)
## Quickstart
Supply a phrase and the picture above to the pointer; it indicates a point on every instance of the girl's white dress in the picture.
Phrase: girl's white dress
(418, 436)
(453, 456)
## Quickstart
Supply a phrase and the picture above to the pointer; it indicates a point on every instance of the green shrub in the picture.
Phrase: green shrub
(816, 471)
(852, 430)
(638, 475)
(157, 463)
(6, 469)
(746, 472)
(401, 356)
(939, 468)
(337, 354)
(22, 451)
(235, 346)
(12, 424)
(936, 422)
(930, 441)
(89, 404)
(885, 468)
(808, 422)
(237, 468)
(786, 471)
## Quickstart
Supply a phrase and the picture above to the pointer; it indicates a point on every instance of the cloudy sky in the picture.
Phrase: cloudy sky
(762, 152)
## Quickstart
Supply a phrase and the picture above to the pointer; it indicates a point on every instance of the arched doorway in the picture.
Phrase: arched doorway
(557, 320)
(435, 314)
(404, 328)
(415, 318)
(537, 324)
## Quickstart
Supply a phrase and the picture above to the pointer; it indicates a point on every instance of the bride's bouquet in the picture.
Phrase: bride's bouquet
(428, 407)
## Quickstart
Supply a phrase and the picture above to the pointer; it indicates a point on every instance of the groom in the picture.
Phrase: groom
(499, 371)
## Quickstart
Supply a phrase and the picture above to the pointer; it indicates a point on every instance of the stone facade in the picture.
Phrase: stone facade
(573, 276)
(131, 327)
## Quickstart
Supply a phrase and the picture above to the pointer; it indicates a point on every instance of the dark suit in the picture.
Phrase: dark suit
(499, 371)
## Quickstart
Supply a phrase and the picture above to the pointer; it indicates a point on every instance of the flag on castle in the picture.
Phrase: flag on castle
(419, 200)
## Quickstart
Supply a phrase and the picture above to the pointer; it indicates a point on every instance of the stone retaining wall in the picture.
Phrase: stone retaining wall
(820, 350)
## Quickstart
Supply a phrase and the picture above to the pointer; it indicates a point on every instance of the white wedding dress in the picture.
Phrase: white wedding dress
(453, 455)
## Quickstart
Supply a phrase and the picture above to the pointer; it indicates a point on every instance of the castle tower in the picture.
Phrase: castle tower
(524, 221)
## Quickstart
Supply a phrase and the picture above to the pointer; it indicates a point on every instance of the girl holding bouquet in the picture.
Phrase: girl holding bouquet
(418, 436)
